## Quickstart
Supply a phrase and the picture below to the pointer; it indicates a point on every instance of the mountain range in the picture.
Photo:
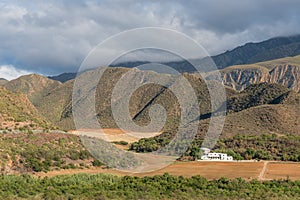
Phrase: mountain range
(257, 94)
(263, 99)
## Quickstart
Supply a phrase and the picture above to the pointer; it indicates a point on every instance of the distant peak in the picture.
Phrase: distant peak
(64, 77)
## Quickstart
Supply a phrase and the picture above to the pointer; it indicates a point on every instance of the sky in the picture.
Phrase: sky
(52, 37)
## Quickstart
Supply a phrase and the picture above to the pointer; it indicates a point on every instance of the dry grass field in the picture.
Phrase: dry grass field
(209, 170)
(212, 170)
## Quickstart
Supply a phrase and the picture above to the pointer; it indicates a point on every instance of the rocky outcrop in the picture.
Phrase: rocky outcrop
(241, 77)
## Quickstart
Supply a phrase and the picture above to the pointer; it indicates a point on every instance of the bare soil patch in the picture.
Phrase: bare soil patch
(112, 135)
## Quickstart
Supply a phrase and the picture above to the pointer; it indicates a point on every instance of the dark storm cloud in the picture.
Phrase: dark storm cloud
(236, 16)
(55, 36)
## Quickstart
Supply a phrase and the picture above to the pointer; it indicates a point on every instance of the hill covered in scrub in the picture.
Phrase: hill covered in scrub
(16, 111)
(24, 152)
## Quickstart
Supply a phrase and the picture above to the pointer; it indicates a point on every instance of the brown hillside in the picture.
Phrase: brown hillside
(33, 85)
(57, 105)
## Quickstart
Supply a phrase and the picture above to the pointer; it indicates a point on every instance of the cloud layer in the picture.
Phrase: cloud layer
(9, 72)
(56, 36)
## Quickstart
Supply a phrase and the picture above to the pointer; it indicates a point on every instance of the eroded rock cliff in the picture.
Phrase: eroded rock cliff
(239, 77)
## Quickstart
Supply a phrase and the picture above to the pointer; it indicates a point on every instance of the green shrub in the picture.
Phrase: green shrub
(121, 142)
(97, 163)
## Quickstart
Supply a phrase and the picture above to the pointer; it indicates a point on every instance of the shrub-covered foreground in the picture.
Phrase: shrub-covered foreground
(101, 186)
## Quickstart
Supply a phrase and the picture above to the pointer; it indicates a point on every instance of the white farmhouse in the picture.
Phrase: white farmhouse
(215, 156)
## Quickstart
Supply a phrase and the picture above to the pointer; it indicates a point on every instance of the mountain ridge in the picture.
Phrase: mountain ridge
(249, 53)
